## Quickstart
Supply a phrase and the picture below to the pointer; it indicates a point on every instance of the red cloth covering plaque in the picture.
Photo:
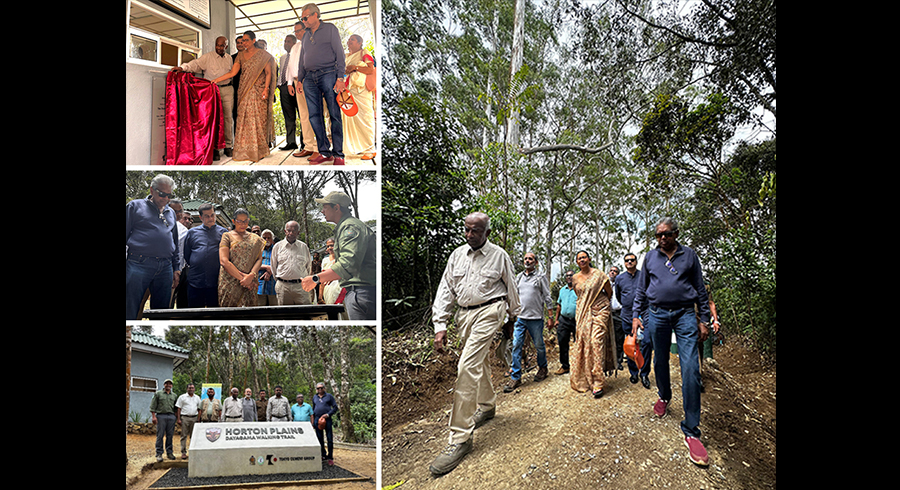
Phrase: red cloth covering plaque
(194, 120)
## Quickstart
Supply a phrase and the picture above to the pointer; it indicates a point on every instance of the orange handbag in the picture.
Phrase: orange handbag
(633, 350)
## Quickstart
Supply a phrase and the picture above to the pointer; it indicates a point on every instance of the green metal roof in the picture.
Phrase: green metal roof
(156, 342)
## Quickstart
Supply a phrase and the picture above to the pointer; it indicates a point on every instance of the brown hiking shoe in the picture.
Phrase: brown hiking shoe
(513, 384)
(481, 416)
(541, 374)
(561, 370)
(450, 457)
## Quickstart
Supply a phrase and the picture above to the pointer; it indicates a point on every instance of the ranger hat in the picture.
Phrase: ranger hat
(335, 197)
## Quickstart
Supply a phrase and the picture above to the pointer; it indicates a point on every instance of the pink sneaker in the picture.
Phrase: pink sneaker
(697, 451)
(660, 408)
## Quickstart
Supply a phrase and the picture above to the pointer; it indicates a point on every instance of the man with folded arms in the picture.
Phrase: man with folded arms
(480, 279)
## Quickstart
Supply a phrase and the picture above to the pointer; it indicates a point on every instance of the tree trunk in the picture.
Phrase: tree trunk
(518, 41)
(127, 382)
(246, 334)
(347, 430)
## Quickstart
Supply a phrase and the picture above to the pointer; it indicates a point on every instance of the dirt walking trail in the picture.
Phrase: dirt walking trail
(546, 435)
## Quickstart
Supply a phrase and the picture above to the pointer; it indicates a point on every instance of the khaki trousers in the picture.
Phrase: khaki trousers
(187, 428)
(473, 378)
(227, 94)
(309, 138)
(292, 293)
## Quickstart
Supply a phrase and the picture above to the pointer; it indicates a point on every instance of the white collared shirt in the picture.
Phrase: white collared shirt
(473, 277)
(211, 64)
(189, 405)
(291, 261)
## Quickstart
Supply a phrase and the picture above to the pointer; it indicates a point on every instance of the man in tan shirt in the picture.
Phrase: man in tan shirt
(291, 262)
(480, 279)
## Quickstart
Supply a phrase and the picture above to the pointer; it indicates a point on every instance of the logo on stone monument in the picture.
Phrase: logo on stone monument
(212, 434)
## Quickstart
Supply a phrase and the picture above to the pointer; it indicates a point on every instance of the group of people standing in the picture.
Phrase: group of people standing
(314, 69)
(168, 409)
(240, 268)
(666, 296)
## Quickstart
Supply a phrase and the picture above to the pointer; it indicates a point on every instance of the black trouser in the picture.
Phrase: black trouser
(565, 329)
(620, 337)
(323, 436)
(290, 111)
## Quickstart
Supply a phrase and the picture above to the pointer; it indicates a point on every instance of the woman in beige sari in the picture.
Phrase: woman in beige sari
(240, 254)
(594, 351)
(254, 128)
(359, 130)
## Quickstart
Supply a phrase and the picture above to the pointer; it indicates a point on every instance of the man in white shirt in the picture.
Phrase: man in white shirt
(214, 65)
(186, 411)
(480, 279)
(308, 148)
(291, 262)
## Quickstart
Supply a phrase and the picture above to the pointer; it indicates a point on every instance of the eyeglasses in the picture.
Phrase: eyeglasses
(630, 260)
(671, 267)
(165, 194)
(667, 234)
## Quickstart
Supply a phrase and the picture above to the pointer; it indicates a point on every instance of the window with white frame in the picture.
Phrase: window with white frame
(144, 384)
(155, 37)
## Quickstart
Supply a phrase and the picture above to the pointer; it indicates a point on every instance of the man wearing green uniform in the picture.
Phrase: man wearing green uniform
(162, 408)
(354, 246)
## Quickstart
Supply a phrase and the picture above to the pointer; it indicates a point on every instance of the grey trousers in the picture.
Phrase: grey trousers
(360, 302)
(165, 426)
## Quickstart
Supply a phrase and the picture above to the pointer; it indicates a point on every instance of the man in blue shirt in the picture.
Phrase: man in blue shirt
(302, 412)
(626, 283)
(565, 321)
(201, 252)
(265, 294)
(672, 283)
(151, 249)
(321, 71)
(324, 405)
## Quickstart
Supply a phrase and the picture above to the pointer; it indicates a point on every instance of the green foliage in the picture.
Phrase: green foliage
(421, 192)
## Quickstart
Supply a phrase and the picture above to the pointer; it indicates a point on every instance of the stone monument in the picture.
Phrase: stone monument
(253, 448)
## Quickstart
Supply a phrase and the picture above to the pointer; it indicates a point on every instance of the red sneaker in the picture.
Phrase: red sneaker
(321, 160)
(338, 161)
(660, 408)
(697, 451)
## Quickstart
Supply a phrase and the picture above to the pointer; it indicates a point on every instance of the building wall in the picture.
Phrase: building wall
(139, 81)
(146, 365)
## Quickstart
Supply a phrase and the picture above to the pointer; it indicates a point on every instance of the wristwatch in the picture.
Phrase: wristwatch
(315, 278)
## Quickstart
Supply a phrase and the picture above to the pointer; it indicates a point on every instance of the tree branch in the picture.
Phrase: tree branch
(538, 149)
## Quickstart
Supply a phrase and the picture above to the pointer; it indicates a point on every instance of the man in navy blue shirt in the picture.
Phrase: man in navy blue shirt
(324, 405)
(626, 283)
(201, 252)
(151, 249)
(321, 70)
(672, 283)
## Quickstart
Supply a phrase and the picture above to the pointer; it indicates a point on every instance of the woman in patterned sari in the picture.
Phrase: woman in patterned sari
(240, 253)
(594, 351)
(254, 127)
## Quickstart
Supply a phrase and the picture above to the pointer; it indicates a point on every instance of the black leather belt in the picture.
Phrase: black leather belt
(292, 281)
(490, 301)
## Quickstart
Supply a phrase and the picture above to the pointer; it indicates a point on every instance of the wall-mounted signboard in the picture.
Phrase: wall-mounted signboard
(195, 10)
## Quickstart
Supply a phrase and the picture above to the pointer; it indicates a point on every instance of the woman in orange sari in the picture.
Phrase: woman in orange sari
(255, 126)
(594, 351)
(240, 254)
